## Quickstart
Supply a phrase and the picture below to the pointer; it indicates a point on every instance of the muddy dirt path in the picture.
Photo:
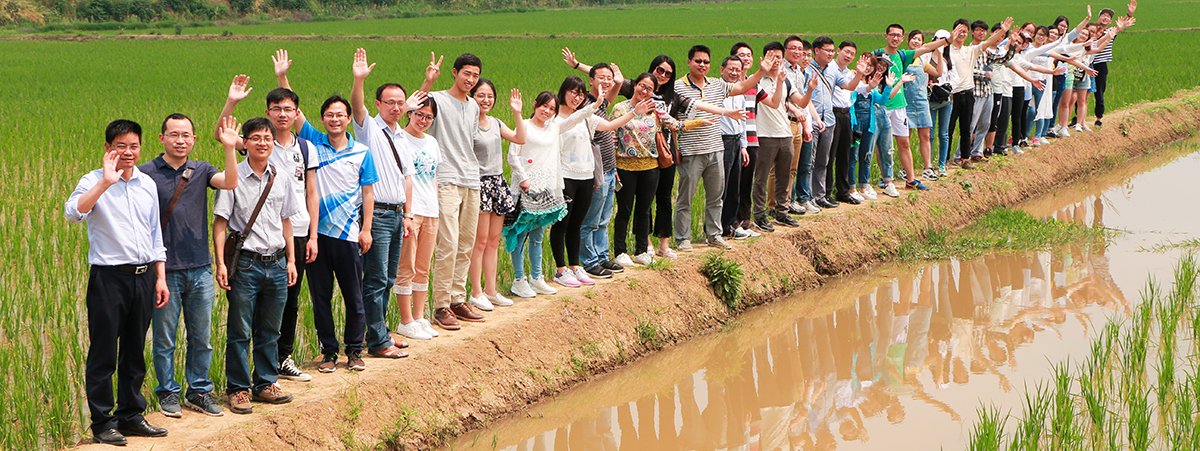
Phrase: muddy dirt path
(466, 379)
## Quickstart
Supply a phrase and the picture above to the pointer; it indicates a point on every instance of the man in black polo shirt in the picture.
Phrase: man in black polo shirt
(183, 205)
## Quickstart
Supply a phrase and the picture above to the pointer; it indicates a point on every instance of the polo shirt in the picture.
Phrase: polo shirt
(340, 178)
(186, 233)
(289, 162)
(774, 122)
(124, 226)
(704, 139)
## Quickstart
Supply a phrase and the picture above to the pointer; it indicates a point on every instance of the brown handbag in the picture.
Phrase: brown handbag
(235, 239)
(665, 158)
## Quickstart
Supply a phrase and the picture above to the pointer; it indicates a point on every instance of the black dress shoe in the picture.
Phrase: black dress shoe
(848, 199)
(831, 200)
(824, 203)
(143, 429)
(110, 437)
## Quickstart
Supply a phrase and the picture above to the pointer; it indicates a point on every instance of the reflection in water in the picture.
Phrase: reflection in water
(816, 382)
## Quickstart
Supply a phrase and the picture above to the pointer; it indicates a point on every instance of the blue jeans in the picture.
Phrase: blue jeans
(593, 239)
(941, 126)
(802, 190)
(257, 295)
(883, 143)
(862, 156)
(534, 237)
(191, 294)
(379, 272)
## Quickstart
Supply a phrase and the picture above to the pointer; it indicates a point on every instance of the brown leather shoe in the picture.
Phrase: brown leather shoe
(390, 352)
(464, 312)
(444, 318)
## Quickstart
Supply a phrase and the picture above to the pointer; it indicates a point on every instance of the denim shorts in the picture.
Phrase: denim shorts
(1085, 84)
(918, 114)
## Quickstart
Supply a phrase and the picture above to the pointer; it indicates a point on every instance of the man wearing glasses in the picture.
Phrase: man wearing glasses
(183, 205)
(700, 149)
(341, 171)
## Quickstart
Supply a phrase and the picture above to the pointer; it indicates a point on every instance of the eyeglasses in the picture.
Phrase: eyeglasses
(645, 87)
(392, 103)
(177, 135)
(130, 147)
(895, 35)
(281, 109)
(336, 115)
(795, 48)
(259, 138)
(700, 61)
(827, 49)
(660, 71)
(421, 116)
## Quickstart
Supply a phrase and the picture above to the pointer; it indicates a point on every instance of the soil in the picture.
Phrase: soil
(539, 347)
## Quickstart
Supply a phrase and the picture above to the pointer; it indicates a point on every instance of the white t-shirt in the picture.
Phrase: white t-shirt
(773, 122)
(576, 160)
(421, 158)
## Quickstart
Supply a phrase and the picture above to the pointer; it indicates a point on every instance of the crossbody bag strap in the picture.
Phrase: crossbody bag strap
(183, 180)
(262, 199)
(391, 144)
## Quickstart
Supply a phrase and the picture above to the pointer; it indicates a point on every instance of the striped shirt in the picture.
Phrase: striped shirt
(704, 139)
(751, 117)
(340, 178)
(1105, 56)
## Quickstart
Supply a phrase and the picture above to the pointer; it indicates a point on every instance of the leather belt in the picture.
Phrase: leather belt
(389, 207)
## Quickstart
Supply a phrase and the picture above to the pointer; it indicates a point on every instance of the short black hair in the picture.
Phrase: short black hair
(737, 45)
(979, 24)
(792, 38)
(890, 27)
(332, 100)
(598, 66)
(996, 26)
(847, 43)
(822, 42)
(280, 94)
(697, 49)
(257, 124)
(178, 117)
(120, 127)
(569, 84)
(773, 45)
(467, 59)
(385, 86)
(725, 62)
(961, 22)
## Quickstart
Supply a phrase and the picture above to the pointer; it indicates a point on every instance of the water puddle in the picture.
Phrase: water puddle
(899, 358)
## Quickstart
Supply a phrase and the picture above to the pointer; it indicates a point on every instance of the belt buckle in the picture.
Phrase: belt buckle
(141, 269)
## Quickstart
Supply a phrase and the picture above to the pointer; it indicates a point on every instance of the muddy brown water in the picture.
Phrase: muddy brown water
(898, 358)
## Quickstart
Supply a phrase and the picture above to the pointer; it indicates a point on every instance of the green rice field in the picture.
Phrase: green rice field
(61, 93)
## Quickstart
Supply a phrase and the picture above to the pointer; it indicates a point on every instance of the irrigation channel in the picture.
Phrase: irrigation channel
(901, 357)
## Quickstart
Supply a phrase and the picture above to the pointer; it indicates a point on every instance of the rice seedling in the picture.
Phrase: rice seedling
(1062, 420)
(988, 432)
(1031, 426)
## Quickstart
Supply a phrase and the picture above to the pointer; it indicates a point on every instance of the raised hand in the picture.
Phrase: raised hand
(617, 77)
(416, 99)
(644, 106)
(891, 78)
(514, 102)
(227, 128)
(111, 174)
(1131, 7)
(1089, 12)
(812, 83)
(435, 67)
(907, 78)
(569, 58)
(1007, 24)
(282, 63)
(865, 62)
(360, 68)
(240, 88)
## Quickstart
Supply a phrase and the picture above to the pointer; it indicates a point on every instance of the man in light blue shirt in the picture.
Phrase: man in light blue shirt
(120, 205)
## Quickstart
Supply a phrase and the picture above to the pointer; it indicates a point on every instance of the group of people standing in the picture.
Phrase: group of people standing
(370, 203)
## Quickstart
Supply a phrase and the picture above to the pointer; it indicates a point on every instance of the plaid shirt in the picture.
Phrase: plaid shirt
(983, 84)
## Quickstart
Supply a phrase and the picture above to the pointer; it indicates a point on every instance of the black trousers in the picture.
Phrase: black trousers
(1020, 107)
(120, 306)
(340, 259)
(1001, 108)
(580, 194)
(634, 199)
(746, 186)
(664, 206)
(733, 175)
(1101, 81)
(843, 137)
(291, 310)
(964, 105)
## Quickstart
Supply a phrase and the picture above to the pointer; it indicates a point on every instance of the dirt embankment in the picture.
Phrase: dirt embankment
(539, 347)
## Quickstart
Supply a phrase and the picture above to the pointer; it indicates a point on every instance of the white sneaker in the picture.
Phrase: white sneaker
(540, 286)
(499, 300)
(740, 234)
(567, 279)
(750, 233)
(811, 208)
(414, 331)
(890, 190)
(624, 260)
(643, 259)
(1063, 133)
(868, 193)
(1018, 151)
(857, 196)
(582, 277)
(1078, 128)
(521, 288)
(481, 303)
(1085, 128)
(428, 328)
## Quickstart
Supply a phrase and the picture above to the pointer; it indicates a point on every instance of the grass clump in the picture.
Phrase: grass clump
(726, 278)
(998, 230)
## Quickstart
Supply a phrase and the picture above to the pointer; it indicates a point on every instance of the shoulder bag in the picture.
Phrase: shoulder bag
(235, 239)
